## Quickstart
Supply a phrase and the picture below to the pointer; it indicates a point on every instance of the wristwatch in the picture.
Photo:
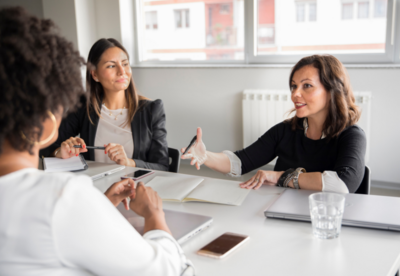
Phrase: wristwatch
(297, 173)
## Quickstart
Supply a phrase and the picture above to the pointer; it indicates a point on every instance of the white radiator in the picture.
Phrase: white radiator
(262, 109)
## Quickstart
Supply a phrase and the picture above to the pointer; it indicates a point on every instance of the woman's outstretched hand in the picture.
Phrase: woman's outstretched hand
(197, 153)
(262, 178)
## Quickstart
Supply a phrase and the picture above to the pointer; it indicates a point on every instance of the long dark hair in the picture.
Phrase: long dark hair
(343, 111)
(96, 89)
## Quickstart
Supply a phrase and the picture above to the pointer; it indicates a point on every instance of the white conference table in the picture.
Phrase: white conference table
(280, 247)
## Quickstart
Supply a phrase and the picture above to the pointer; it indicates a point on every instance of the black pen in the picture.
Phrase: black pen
(190, 145)
(89, 147)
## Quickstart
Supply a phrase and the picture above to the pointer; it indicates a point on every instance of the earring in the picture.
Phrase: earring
(45, 141)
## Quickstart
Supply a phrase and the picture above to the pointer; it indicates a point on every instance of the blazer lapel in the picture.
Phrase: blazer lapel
(135, 127)
(93, 131)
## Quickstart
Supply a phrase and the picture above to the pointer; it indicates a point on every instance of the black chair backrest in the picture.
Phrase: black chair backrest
(174, 160)
(365, 183)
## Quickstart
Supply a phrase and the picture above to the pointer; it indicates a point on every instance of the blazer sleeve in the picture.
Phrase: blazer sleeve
(350, 162)
(157, 155)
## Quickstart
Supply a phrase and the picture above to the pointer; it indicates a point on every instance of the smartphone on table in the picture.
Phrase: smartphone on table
(137, 174)
(223, 245)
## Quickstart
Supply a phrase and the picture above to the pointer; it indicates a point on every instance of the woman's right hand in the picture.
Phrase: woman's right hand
(146, 203)
(68, 150)
(197, 152)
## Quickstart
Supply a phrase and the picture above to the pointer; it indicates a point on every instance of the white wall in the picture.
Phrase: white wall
(33, 6)
(211, 98)
(86, 20)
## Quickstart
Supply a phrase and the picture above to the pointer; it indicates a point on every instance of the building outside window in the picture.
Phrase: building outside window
(380, 7)
(182, 19)
(300, 12)
(347, 11)
(363, 10)
(151, 20)
(312, 12)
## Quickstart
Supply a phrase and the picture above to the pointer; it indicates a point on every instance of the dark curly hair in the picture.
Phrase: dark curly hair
(39, 71)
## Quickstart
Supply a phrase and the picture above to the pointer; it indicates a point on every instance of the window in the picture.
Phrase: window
(224, 9)
(151, 20)
(300, 12)
(380, 7)
(274, 31)
(347, 11)
(192, 31)
(312, 12)
(182, 19)
(363, 10)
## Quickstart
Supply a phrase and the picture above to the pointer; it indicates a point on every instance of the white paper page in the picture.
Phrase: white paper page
(220, 191)
(54, 164)
(176, 188)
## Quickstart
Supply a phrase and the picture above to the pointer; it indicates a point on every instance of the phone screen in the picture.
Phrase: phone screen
(137, 174)
(223, 244)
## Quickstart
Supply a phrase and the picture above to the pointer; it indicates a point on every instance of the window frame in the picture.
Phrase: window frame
(391, 55)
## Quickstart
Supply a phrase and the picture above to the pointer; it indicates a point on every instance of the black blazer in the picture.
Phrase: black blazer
(148, 132)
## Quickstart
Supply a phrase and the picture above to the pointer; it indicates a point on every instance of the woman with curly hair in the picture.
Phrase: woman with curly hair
(320, 148)
(59, 223)
(131, 127)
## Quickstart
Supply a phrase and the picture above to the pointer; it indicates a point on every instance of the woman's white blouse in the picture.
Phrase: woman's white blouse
(330, 179)
(112, 128)
(60, 224)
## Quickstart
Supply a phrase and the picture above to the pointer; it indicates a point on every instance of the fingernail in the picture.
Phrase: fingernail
(77, 154)
(84, 146)
(105, 152)
(69, 151)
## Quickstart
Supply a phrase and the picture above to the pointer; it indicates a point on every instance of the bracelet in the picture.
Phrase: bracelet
(296, 174)
(284, 176)
(290, 177)
(57, 151)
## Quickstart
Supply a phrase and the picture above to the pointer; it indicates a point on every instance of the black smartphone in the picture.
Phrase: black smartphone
(137, 174)
(223, 245)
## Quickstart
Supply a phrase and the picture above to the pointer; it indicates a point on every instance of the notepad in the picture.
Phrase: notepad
(73, 164)
(183, 189)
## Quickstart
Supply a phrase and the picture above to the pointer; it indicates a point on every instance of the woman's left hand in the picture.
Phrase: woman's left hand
(120, 191)
(117, 154)
(262, 178)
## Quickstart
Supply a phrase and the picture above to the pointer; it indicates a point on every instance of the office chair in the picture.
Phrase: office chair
(365, 183)
(174, 160)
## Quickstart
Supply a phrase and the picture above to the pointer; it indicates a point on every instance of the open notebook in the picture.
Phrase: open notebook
(182, 189)
(73, 164)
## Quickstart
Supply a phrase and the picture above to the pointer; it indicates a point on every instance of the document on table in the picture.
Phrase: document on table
(54, 164)
(183, 189)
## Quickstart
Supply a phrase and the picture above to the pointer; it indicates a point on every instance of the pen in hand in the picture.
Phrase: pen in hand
(190, 144)
(89, 147)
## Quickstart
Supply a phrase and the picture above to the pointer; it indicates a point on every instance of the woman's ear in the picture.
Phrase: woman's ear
(94, 75)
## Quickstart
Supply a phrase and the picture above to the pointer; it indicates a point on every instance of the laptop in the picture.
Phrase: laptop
(98, 170)
(183, 226)
(369, 211)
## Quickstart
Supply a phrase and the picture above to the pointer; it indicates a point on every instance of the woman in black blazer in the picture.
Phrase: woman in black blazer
(114, 111)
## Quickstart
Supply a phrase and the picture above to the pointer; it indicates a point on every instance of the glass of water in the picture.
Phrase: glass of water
(326, 211)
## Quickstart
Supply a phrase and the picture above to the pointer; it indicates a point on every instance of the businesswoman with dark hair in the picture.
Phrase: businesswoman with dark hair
(59, 223)
(320, 148)
(131, 127)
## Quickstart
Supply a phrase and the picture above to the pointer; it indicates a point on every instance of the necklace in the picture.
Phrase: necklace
(112, 115)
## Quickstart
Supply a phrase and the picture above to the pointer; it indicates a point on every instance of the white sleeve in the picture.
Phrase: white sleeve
(236, 164)
(90, 234)
(332, 183)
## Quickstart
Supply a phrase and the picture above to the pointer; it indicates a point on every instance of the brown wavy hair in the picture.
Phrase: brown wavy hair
(96, 89)
(343, 111)
(39, 72)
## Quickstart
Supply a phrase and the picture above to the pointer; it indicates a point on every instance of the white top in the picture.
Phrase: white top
(331, 182)
(60, 224)
(112, 128)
